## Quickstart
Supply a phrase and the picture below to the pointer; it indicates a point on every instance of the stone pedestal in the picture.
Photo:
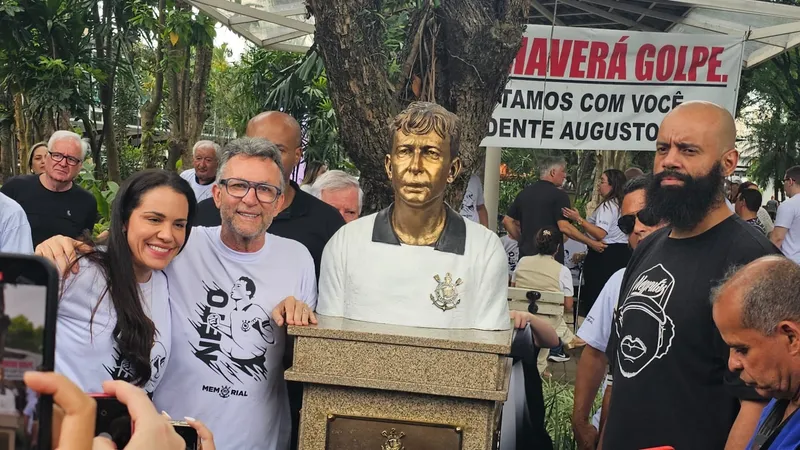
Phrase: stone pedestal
(371, 386)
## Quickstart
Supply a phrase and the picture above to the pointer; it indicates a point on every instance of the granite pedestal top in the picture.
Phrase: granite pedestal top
(461, 363)
(470, 340)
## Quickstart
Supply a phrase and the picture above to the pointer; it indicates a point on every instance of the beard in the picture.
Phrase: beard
(684, 207)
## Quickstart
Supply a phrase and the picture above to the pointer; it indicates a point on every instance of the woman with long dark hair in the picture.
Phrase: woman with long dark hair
(602, 226)
(37, 158)
(114, 315)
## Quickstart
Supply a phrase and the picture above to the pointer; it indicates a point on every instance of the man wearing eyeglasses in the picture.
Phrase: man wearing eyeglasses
(54, 204)
(226, 361)
(786, 234)
(637, 223)
(302, 216)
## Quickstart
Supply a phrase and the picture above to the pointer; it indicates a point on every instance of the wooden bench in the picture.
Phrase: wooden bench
(550, 303)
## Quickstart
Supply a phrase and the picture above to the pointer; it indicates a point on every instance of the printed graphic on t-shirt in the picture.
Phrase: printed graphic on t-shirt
(645, 331)
(123, 370)
(233, 334)
(468, 205)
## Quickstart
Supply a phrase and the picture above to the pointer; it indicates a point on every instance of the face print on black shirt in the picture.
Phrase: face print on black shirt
(652, 335)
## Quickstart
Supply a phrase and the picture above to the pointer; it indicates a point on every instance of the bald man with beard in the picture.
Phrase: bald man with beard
(667, 360)
(303, 217)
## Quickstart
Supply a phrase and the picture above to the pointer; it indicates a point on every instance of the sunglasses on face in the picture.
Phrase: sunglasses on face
(627, 222)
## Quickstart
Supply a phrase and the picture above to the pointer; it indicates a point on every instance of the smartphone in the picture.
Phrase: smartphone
(188, 434)
(28, 308)
(113, 418)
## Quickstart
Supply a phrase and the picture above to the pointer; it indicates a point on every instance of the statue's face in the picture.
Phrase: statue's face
(420, 167)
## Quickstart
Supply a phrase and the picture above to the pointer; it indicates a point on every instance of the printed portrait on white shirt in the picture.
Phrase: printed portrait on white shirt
(86, 352)
(226, 364)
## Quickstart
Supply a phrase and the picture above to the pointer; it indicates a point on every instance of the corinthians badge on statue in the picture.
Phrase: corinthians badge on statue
(445, 297)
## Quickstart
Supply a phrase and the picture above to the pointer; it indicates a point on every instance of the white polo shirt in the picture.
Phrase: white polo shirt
(460, 282)
(789, 217)
(15, 231)
(201, 191)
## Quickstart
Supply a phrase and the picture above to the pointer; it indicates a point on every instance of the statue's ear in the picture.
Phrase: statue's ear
(455, 169)
(387, 166)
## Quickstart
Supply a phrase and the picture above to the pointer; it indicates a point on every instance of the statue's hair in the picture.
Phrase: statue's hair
(423, 117)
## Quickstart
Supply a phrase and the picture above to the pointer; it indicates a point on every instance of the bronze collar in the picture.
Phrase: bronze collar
(452, 240)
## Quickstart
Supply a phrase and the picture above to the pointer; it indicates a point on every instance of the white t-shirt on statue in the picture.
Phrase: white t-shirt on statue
(460, 282)
(201, 191)
(86, 352)
(227, 354)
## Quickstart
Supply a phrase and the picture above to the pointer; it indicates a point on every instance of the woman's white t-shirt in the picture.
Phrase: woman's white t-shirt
(86, 352)
(606, 217)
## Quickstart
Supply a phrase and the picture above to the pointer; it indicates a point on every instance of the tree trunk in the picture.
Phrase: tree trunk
(149, 110)
(23, 146)
(7, 164)
(196, 110)
(470, 45)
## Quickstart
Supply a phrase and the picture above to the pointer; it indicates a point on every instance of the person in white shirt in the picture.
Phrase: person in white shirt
(114, 314)
(637, 223)
(786, 234)
(236, 385)
(15, 231)
(602, 226)
(205, 159)
(473, 206)
(340, 190)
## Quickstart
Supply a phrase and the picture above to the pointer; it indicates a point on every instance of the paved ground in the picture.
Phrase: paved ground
(565, 371)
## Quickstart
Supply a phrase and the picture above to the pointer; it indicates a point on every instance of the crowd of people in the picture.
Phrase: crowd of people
(189, 296)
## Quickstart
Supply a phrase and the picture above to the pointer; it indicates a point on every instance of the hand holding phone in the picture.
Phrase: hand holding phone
(73, 427)
(151, 430)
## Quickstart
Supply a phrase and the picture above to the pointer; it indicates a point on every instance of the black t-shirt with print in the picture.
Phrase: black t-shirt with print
(69, 213)
(668, 360)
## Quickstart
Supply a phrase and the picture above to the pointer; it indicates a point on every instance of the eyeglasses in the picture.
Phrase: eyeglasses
(265, 193)
(58, 157)
(627, 222)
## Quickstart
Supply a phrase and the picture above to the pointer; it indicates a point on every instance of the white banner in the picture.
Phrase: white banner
(606, 89)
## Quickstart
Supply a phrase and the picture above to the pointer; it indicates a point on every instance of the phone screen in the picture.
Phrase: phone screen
(26, 334)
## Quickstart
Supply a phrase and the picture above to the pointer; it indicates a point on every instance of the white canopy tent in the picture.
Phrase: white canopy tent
(768, 29)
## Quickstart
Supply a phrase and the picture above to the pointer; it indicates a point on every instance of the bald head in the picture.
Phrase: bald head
(714, 118)
(766, 292)
(282, 130)
(259, 125)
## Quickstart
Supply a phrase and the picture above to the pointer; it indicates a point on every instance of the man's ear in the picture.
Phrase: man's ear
(730, 160)
(216, 194)
(791, 331)
(455, 169)
(387, 165)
